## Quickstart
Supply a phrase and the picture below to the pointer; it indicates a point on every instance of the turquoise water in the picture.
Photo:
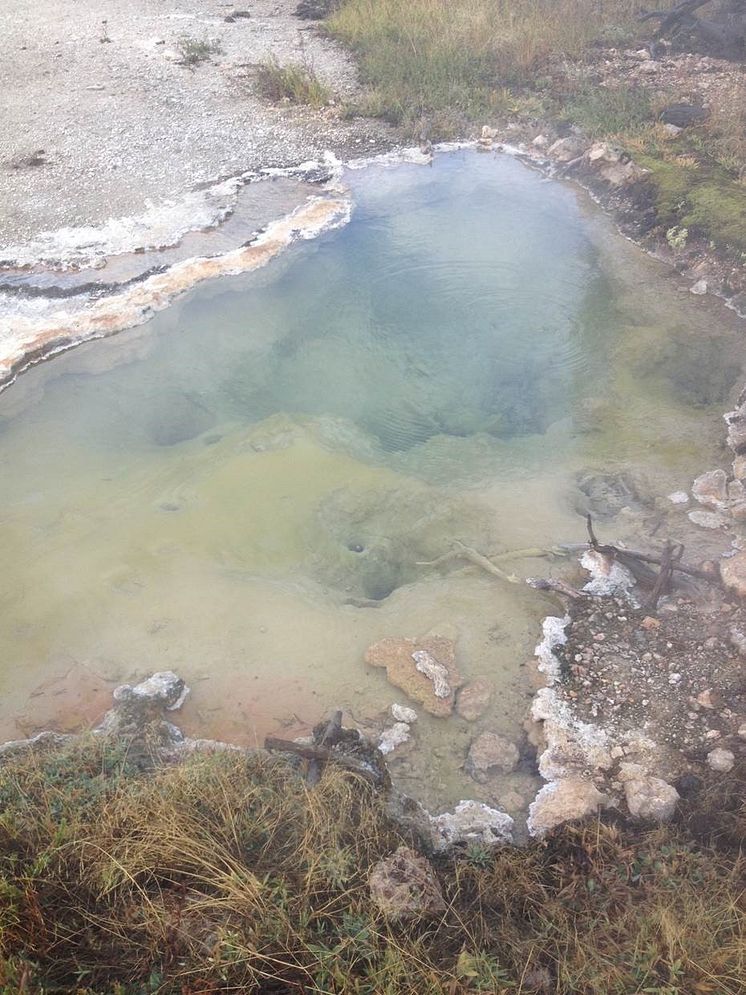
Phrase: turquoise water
(249, 488)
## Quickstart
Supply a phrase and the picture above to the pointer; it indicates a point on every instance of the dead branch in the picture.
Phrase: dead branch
(622, 554)
(320, 754)
(552, 584)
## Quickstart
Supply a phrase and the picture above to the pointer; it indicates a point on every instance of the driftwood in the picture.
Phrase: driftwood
(629, 556)
(552, 584)
(321, 755)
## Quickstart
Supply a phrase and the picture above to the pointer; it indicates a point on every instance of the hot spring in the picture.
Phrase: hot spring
(250, 488)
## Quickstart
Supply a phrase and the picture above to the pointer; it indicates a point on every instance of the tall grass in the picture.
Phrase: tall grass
(227, 873)
(434, 58)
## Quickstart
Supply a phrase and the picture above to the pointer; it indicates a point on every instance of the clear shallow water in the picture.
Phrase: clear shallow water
(245, 489)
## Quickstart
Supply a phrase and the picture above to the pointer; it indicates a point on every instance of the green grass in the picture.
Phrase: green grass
(226, 873)
(436, 59)
(296, 83)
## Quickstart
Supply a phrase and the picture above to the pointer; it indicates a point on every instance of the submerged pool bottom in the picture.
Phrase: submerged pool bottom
(253, 488)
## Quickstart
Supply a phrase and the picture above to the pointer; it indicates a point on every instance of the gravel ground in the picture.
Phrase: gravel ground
(96, 85)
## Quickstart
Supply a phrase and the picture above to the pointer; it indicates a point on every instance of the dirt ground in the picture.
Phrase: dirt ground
(99, 119)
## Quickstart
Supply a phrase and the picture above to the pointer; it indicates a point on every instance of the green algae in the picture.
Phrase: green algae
(701, 198)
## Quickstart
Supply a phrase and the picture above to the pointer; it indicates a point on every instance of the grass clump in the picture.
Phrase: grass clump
(194, 51)
(227, 873)
(425, 58)
(296, 83)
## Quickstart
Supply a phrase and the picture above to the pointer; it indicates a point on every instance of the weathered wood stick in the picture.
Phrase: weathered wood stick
(619, 552)
(320, 754)
(551, 584)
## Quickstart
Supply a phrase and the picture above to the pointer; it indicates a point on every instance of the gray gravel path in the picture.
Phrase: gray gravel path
(122, 125)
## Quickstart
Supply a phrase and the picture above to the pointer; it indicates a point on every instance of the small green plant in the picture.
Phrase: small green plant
(193, 51)
(677, 237)
(295, 83)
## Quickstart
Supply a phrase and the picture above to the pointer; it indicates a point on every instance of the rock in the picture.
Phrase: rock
(488, 134)
(711, 490)
(608, 576)
(736, 421)
(739, 468)
(742, 731)
(623, 174)
(649, 67)
(733, 573)
(421, 677)
(404, 886)
(139, 706)
(647, 797)
(566, 149)
(540, 142)
(681, 115)
(472, 822)
(708, 519)
(563, 801)
(605, 494)
(403, 714)
(41, 740)
(672, 130)
(434, 671)
(738, 639)
(474, 698)
(164, 689)
(679, 497)
(315, 10)
(699, 288)
(705, 699)
(489, 753)
(721, 760)
(393, 737)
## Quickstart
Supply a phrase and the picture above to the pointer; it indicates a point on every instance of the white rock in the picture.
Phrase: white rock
(403, 714)
(721, 760)
(707, 519)
(541, 141)
(699, 288)
(393, 737)
(472, 822)
(607, 576)
(742, 731)
(164, 687)
(647, 797)
(679, 497)
(563, 801)
(436, 672)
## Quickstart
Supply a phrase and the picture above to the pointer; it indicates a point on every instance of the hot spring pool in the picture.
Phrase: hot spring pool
(245, 489)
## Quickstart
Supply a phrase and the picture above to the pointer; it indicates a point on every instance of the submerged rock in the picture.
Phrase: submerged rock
(403, 714)
(733, 573)
(474, 698)
(404, 886)
(425, 669)
(489, 753)
(472, 822)
(711, 490)
(393, 737)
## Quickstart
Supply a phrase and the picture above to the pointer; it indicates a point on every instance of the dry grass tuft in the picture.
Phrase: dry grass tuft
(296, 83)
